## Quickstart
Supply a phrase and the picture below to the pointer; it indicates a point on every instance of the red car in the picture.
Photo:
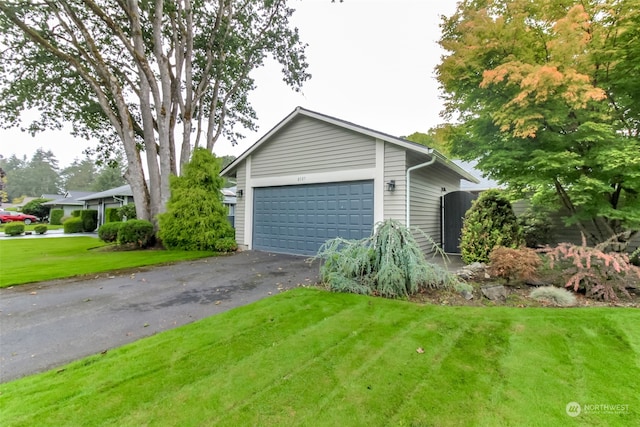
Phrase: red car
(10, 216)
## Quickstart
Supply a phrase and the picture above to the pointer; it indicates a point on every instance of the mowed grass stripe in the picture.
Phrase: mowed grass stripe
(183, 356)
(368, 338)
(350, 360)
(379, 388)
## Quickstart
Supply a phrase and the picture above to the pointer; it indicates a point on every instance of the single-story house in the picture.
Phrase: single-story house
(112, 198)
(314, 177)
(120, 196)
(68, 201)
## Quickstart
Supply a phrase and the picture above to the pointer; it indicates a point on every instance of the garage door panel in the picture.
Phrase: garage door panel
(299, 219)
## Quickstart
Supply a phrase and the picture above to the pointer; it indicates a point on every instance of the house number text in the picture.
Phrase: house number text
(302, 178)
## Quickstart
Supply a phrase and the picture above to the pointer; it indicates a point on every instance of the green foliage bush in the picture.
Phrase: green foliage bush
(76, 213)
(195, 218)
(40, 229)
(14, 229)
(73, 225)
(55, 217)
(108, 232)
(34, 207)
(536, 228)
(89, 220)
(137, 232)
(556, 296)
(390, 263)
(112, 215)
(127, 212)
(490, 222)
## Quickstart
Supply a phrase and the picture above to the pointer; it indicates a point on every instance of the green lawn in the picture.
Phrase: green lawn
(312, 358)
(34, 260)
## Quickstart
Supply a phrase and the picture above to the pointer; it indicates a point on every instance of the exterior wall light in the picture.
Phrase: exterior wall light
(240, 193)
(391, 185)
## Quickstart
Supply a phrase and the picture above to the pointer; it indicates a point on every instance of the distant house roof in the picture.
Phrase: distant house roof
(69, 198)
(125, 190)
(52, 196)
(484, 182)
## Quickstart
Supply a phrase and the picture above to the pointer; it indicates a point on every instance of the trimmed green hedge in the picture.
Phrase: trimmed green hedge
(108, 232)
(89, 220)
(14, 229)
(40, 229)
(136, 231)
(56, 216)
(73, 225)
(111, 215)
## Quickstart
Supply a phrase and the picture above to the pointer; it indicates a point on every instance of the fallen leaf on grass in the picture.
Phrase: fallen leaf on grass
(420, 350)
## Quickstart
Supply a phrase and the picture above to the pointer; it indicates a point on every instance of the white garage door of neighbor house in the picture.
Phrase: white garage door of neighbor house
(297, 219)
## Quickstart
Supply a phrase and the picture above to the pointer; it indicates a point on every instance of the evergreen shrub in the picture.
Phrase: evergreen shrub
(73, 225)
(76, 213)
(108, 232)
(490, 222)
(127, 212)
(389, 263)
(89, 220)
(111, 215)
(56, 216)
(40, 229)
(138, 232)
(196, 218)
(14, 228)
(536, 228)
(35, 207)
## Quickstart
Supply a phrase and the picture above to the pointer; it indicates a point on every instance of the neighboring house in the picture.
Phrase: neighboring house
(120, 196)
(112, 198)
(68, 201)
(314, 177)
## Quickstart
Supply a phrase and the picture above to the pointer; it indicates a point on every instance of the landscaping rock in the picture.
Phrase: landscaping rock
(469, 271)
(468, 295)
(494, 292)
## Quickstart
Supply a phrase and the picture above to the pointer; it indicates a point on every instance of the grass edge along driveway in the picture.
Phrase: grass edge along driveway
(34, 260)
(309, 357)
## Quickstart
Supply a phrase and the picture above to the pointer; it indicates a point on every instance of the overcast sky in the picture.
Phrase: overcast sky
(372, 63)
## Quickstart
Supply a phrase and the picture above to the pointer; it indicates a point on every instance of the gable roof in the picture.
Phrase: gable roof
(229, 194)
(123, 190)
(69, 198)
(401, 142)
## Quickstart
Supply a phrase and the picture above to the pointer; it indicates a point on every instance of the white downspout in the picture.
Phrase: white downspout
(411, 169)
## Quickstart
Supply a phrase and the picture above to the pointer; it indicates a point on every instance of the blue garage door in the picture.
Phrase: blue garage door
(298, 219)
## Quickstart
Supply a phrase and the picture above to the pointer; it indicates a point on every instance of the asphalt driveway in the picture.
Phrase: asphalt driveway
(48, 324)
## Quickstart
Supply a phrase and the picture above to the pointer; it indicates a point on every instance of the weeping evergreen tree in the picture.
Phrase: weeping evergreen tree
(196, 219)
(389, 263)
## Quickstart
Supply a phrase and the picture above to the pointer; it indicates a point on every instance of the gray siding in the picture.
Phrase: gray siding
(395, 160)
(306, 146)
(426, 192)
(241, 203)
